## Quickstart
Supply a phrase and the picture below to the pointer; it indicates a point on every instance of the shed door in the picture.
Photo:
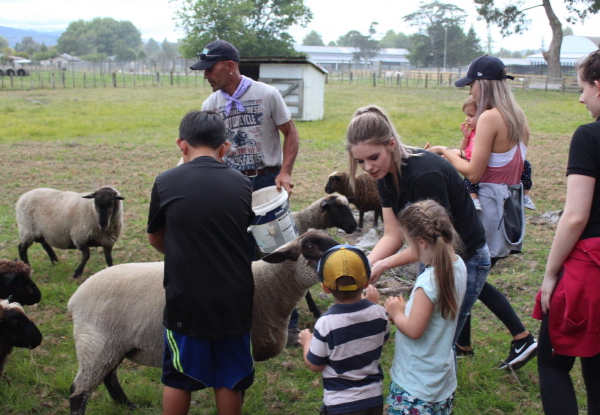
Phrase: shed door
(292, 92)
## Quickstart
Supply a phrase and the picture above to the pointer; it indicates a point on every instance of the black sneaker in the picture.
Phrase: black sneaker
(521, 352)
(460, 352)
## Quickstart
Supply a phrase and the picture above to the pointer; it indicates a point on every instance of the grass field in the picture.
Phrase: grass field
(80, 139)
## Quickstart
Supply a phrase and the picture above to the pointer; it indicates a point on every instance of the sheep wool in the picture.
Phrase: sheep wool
(68, 220)
(364, 195)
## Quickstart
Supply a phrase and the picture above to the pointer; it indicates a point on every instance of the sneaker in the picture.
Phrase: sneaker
(521, 352)
(528, 203)
(477, 204)
(460, 352)
(292, 340)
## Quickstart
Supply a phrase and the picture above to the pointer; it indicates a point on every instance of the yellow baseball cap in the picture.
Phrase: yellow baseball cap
(340, 261)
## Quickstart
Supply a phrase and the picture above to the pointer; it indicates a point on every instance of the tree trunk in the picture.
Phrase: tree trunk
(552, 56)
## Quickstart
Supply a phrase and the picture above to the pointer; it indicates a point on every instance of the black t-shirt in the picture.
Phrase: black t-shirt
(584, 159)
(205, 208)
(429, 176)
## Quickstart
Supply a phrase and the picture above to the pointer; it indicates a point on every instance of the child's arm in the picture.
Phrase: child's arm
(414, 325)
(372, 294)
(304, 338)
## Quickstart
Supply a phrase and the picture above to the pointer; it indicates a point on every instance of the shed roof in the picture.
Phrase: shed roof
(283, 59)
(339, 54)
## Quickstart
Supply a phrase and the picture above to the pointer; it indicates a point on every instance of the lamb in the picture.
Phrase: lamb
(16, 330)
(16, 282)
(117, 313)
(65, 220)
(327, 212)
(364, 196)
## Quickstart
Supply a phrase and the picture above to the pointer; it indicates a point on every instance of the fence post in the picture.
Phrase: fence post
(426, 79)
(171, 78)
(562, 87)
(63, 78)
(114, 79)
(157, 78)
(374, 82)
(84, 80)
(53, 81)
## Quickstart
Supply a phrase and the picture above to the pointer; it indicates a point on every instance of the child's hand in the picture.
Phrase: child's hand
(427, 146)
(466, 129)
(372, 294)
(305, 337)
(395, 306)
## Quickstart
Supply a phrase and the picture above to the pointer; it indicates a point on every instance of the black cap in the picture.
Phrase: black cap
(219, 50)
(484, 67)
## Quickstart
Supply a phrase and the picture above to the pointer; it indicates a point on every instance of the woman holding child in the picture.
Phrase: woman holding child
(497, 157)
(570, 294)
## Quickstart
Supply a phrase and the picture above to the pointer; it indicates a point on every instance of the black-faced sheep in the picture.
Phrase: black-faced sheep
(16, 330)
(327, 212)
(364, 196)
(68, 220)
(15, 281)
(117, 313)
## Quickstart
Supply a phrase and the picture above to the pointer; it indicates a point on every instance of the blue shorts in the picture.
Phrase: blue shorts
(192, 364)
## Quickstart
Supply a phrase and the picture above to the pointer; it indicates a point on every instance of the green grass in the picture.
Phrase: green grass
(76, 139)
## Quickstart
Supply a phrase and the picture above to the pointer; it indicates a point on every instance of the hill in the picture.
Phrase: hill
(16, 35)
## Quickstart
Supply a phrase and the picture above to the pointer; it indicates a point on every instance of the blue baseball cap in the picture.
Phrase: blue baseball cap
(219, 50)
(484, 67)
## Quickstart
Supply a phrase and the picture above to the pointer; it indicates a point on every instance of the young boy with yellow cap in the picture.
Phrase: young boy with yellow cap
(348, 339)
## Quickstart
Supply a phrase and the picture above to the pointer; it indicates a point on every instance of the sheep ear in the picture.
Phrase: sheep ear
(9, 299)
(351, 199)
(324, 203)
(90, 196)
(292, 253)
(119, 198)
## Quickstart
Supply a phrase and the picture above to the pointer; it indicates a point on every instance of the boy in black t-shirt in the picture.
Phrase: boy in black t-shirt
(199, 213)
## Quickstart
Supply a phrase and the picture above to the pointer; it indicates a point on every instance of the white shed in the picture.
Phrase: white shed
(300, 81)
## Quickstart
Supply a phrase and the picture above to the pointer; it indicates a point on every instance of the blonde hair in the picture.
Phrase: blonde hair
(470, 101)
(497, 94)
(429, 221)
(371, 125)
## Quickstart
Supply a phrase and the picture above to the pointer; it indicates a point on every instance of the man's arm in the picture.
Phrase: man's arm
(157, 240)
(291, 144)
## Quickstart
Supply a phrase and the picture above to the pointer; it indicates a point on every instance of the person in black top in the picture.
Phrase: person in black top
(406, 175)
(199, 213)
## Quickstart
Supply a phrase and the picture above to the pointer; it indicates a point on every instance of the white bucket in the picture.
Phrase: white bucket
(273, 225)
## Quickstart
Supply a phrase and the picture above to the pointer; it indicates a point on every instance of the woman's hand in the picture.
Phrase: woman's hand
(377, 269)
(395, 306)
(547, 289)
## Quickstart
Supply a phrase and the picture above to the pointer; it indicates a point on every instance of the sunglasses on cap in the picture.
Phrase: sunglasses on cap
(205, 57)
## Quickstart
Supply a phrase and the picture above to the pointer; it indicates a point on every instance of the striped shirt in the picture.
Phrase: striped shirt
(348, 340)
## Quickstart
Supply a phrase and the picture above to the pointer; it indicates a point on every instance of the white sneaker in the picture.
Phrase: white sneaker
(528, 203)
(478, 204)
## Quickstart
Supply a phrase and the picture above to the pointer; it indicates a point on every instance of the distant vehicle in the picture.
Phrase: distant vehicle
(10, 71)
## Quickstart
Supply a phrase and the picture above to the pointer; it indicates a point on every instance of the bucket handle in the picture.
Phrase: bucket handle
(251, 227)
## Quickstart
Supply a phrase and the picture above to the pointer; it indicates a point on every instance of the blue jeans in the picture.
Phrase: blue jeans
(478, 268)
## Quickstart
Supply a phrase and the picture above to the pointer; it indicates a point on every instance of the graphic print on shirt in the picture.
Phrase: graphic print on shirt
(243, 132)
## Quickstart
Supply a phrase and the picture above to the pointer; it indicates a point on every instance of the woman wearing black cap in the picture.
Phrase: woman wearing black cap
(497, 159)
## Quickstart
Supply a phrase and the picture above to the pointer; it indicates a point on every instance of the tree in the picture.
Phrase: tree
(331, 43)
(28, 45)
(348, 40)
(568, 31)
(3, 43)
(440, 38)
(254, 27)
(512, 19)
(100, 35)
(366, 44)
(151, 48)
(313, 39)
(392, 39)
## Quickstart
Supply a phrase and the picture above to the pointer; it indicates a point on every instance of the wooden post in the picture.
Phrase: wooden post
(53, 82)
(114, 79)
(374, 79)
(63, 78)
(157, 78)
(73, 73)
(426, 79)
(438, 75)
(84, 80)
(171, 78)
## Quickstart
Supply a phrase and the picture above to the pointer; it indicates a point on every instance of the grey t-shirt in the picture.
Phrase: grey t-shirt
(254, 137)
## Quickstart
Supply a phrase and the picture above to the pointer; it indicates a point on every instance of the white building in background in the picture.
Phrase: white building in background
(333, 57)
(572, 48)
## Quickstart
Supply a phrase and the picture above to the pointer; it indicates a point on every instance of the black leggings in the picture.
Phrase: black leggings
(556, 387)
(499, 305)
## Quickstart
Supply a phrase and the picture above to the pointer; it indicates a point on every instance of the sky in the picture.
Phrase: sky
(331, 18)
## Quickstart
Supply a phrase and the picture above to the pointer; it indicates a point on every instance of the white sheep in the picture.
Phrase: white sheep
(117, 313)
(364, 195)
(68, 220)
(327, 212)
(16, 330)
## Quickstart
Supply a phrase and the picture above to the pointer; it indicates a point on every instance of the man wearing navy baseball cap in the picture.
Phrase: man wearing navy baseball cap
(484, 67)
(254, 114)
